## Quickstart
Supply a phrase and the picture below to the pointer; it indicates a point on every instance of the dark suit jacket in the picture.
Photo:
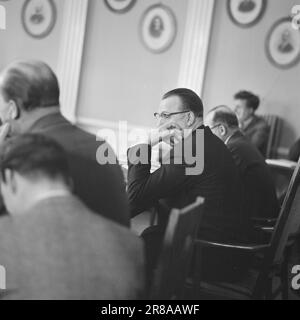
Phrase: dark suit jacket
(219, 184)
(100, 187)
(258, 133)
(260, 194)
(62, 250)
(294, 153)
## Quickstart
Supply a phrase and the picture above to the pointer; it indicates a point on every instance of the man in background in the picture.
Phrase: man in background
(52, 246)
(259, 189)
(29, 103)
(253, 127)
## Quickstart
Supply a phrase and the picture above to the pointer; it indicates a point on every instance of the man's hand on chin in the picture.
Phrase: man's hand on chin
(169, 133)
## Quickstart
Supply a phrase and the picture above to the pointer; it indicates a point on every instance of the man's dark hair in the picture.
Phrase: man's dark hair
(31, 84)
(190, 100)
(252, 101)
(224, 115)
(33, 155)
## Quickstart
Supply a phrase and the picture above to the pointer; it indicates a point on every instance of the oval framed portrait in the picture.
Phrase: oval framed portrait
(283, 44)
(39, 17)
(120, 6)
(158, 28)
(246, 13)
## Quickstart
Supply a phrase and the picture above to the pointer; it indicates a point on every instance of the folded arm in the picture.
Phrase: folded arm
(146, 188)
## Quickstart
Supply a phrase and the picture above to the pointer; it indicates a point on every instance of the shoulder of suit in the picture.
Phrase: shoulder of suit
(8, 233)
(6, 221)
(261, 121)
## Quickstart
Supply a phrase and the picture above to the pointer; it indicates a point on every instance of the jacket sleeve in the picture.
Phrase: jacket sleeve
(146, 188)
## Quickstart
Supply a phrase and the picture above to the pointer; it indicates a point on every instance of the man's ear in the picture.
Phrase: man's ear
(222, 130)
(191, 118)
(13, 111)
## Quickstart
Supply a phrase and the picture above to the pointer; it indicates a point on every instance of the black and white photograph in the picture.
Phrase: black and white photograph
(283, 44)
(246, 13)
(158, 28)
(149, 156)
(39, 17)
(120, 6)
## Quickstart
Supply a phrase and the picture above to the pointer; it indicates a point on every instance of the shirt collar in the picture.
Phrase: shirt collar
(247, 122)
(59, 193)
(228, 139)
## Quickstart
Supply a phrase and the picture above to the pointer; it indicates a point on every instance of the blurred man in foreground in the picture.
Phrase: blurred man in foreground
(52, 246)
(29, 103)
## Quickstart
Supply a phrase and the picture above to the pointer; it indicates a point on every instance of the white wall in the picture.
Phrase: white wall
(15, 43)
(121, 80)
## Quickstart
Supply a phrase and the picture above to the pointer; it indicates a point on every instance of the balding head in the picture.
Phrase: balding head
(30, 84)
(222, 121)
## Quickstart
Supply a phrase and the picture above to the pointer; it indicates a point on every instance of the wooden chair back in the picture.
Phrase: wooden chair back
(175, 260)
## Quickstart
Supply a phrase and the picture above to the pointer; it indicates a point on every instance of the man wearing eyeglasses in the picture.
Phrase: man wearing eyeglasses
(260, 195)
(180, 111)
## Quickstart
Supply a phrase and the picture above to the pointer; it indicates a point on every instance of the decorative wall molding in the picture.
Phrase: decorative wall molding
(196, 44)
(121, 129)
(70, 55)
(2, 17)
(93, 125)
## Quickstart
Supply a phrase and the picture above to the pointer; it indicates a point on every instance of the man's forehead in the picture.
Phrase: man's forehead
(209, 118)
(171, 104)
(240, 102)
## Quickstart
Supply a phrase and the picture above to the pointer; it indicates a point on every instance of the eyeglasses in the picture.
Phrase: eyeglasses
(165, 115)
(216, 126)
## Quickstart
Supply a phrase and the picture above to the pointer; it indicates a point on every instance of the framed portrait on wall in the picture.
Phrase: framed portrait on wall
(120, 6)
(246, 13)
(283, 44)
(158, 28)
(39, 17)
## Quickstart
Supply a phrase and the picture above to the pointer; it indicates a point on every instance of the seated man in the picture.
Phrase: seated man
(260, 195)
(29, 103)
(52, 246)
(253, 127)
(174, 186)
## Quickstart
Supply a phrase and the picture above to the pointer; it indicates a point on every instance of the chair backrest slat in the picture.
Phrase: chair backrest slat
(288, 222)
(176, 256)
(291, 206)
(274, 123)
